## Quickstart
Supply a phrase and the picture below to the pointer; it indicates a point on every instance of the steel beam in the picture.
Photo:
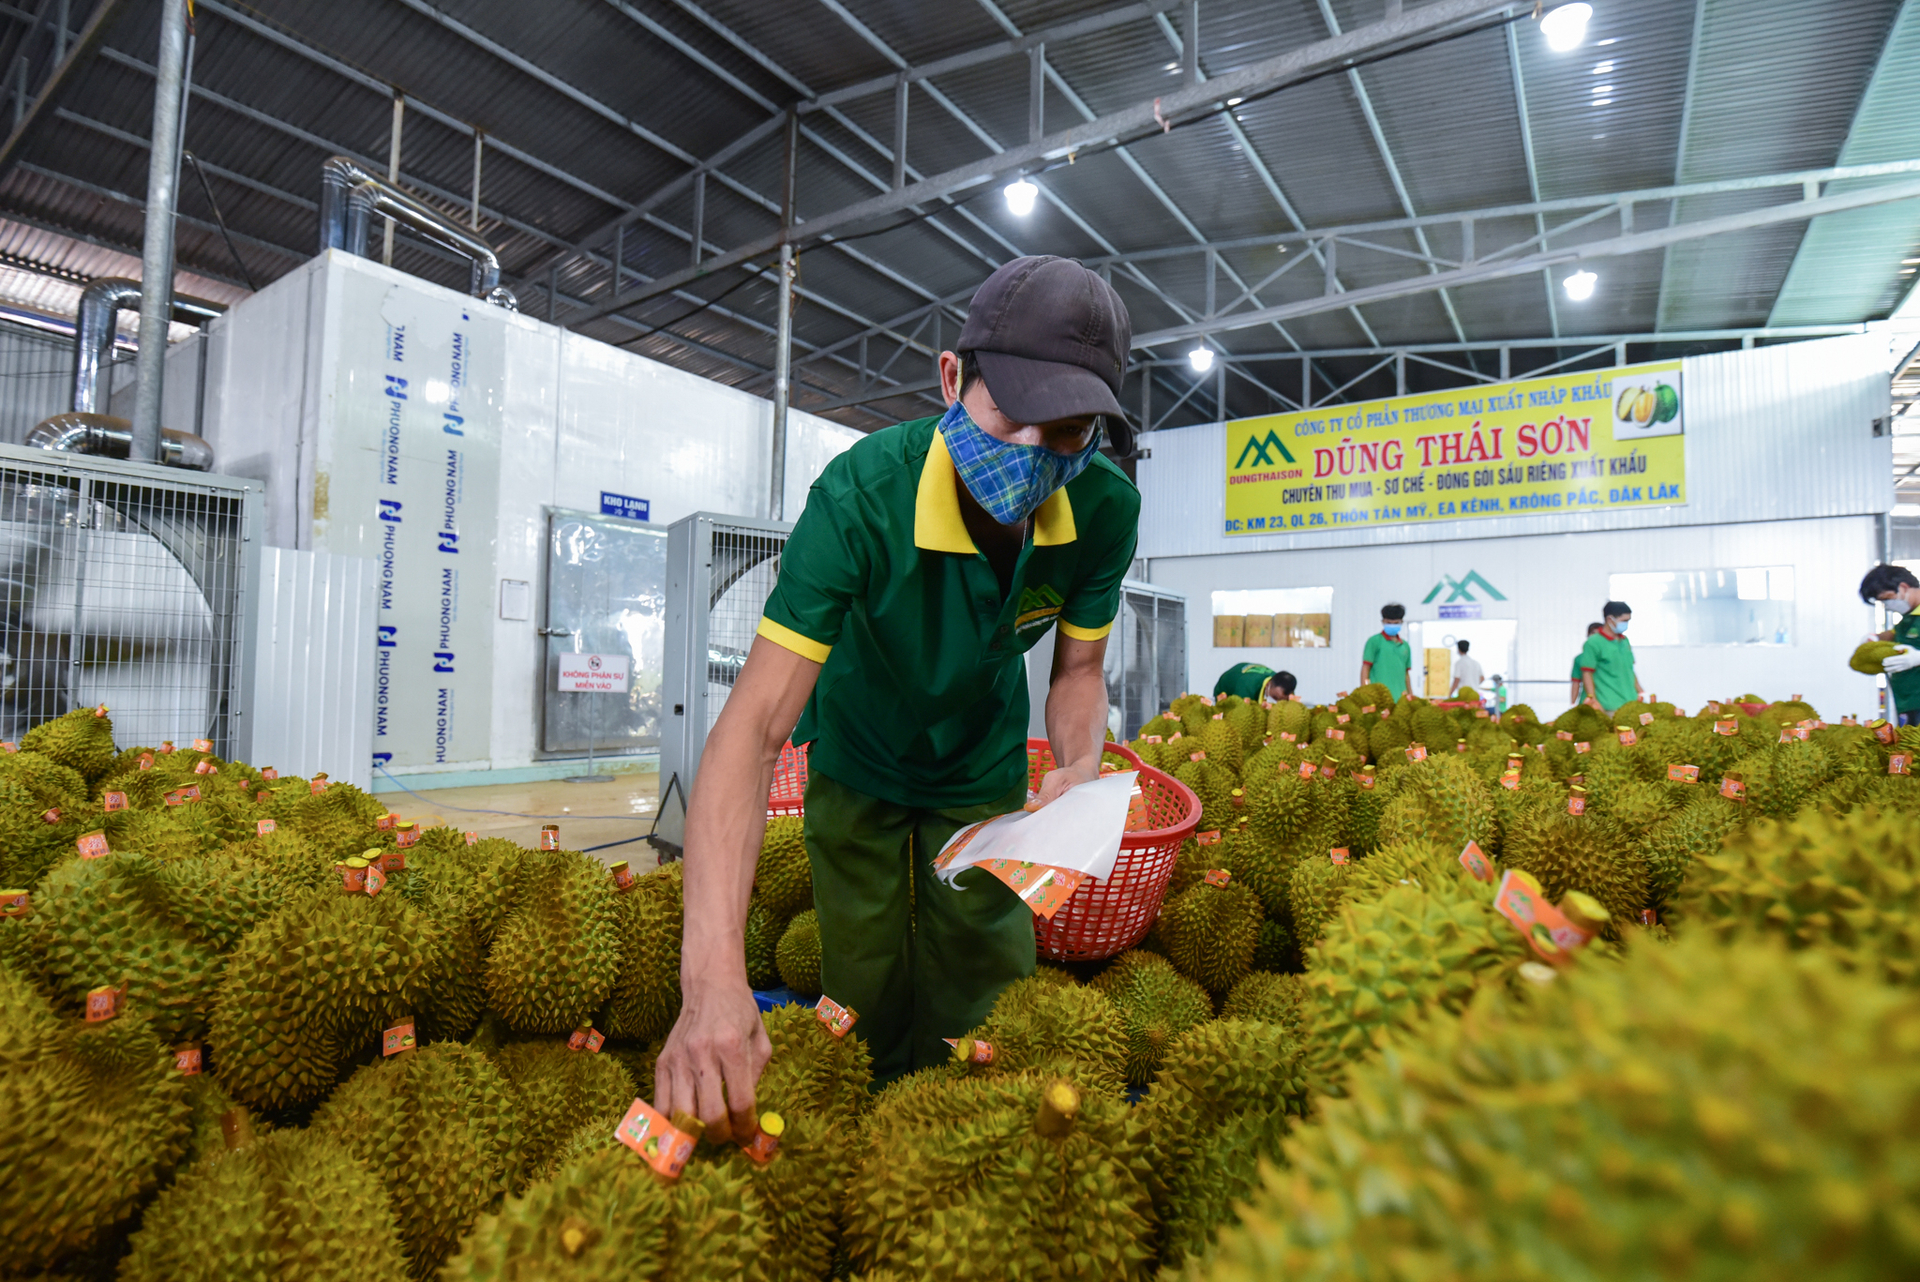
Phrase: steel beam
(1260, 77)
(1680, 147)
(78, 51)
(1633, 243)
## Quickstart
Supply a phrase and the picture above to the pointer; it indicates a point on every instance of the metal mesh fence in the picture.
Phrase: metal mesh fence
(745, 565)
(122, 591)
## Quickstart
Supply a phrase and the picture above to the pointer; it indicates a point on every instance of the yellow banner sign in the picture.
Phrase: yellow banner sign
(1595, 441)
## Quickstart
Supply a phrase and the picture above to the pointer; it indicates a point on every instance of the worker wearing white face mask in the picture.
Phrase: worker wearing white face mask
(1606, 663)
(1899, 591)
(1387, 656)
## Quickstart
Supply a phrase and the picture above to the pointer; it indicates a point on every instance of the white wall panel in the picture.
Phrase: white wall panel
(1774, 433)
(579, 417)
(313, 674)
(1555, 585)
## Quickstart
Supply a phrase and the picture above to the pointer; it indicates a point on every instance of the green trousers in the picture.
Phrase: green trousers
(917, 960)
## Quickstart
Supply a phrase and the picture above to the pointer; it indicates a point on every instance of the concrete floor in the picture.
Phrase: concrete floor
(589, 814)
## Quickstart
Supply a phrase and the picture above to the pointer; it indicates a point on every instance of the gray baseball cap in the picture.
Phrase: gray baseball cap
(1051, 339)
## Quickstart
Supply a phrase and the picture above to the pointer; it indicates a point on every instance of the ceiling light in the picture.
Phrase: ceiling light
(1201, 358)
(1603, 68)
(1603, 102)
(1020, 196)
(1235, 102)
(1171, 66)
(1610, 40)
(1579, 286)
(1566, 26)
(1599, 89)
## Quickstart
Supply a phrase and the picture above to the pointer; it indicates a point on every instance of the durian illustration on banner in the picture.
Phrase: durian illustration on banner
(1603, 440)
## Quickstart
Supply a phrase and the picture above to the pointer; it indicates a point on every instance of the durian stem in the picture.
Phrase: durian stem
(1059, 1109)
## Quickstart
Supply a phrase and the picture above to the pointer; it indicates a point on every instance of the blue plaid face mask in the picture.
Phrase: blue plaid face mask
(1010, 481)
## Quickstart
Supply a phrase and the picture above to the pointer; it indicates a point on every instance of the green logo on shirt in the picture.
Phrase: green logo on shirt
(1038, 606)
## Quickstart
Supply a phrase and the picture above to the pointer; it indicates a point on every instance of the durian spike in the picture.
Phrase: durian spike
(1059, 1109)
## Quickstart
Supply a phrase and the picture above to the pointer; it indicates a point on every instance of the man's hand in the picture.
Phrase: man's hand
(712, 1060)
(1055, 783)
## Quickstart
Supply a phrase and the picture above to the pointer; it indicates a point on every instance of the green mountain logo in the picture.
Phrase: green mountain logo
(1262, 451)
(1040, 598)
(1462, 588)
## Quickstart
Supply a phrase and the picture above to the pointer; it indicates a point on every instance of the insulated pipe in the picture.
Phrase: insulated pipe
(350, 197)
(156, 257)
(106, 436)
(100, 303)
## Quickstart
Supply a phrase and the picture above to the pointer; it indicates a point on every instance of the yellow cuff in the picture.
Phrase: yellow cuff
(787, 639)
(1084, 634)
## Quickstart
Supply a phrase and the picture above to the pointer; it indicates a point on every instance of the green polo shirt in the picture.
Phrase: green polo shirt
(922, 696)
(1905, 686)
(1576, 668)
(1390, 657)
(1610, 659)
(1246, 680)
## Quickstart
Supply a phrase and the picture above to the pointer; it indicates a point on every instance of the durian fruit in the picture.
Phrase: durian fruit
(1850, 792)
(1226, 1097)
(1780, 779)
(1585, 724)
(1696, 1111)
(762, 938)
(1436, 729)
(1193, 712)
(82, 741)
(1249, 721)
(92, 1118)
(606, 1217)
(1442, 801)
(1373, 694)
(438, 1126)
(1161, 725)
(1402, 863)
(646, 994)
(1269, 998)
(798, 954)
(558, 1090)
(312, 987)
(1388, 739)
(1675, 846)
(1256, 862)
(1315, 888)
(1210, 934)
(1282, 811)
(207, 1106)
(783, 877)
(556, 953)
(1221, 743)
(1191, 862)
(1581, 852)
(1265, 766)
(1848, 885)
(1386, 963)
(1024, 1178)
(29, 845)
(813, 1072)
(1213, 785)
(51, 783)
(291, 1206)
(1039, 1028)
(1868, 656)
(110, 922)
(1637, 806)
(1156, 1004)
(1275, 949)
(1288, 717)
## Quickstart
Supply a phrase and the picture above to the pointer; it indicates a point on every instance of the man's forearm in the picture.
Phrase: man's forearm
(1586, 683)
(1077, 717)
(724, 830)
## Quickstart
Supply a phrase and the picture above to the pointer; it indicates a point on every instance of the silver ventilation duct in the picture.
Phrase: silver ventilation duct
(84, 429)
(350, 198)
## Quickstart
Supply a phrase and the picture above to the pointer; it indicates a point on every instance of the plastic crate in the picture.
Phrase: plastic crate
(789, 793)
(1105, 918)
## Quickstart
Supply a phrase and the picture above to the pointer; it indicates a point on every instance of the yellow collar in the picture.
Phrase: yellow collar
(937, 526)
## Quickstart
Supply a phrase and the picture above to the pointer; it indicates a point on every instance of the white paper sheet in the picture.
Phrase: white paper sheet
(1080, 830)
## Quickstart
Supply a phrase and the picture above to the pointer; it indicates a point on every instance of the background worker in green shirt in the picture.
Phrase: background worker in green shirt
(1899, 591)
(1576, 689)
(1606, 664)
(1254, 681)
(929, 558)
(1387, 656)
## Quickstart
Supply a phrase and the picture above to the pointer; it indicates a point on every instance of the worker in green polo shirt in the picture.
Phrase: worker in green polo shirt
(1606, 662)
(1895, 587)
(1254, 681)
(930, 557)
(1576, 691)
(1387, 657)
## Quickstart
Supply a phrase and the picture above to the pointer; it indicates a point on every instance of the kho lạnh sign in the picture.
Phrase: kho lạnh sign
(1594, 441)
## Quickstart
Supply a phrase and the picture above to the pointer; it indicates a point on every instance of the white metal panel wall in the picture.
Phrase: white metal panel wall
(1772, 433)
(313, 669)
(1554, 585)
(36, 379)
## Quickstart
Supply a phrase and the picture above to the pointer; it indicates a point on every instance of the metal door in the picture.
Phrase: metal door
(606, 594)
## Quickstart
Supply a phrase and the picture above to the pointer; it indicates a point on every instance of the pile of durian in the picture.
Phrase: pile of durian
(1310, 1068)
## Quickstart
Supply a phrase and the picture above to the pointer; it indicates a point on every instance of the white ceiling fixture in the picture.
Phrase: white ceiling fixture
(1579, 286)
(1020, 196)
(1566, 26)
(1201, 358)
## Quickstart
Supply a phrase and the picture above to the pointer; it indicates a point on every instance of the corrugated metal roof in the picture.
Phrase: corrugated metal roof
(604, 100)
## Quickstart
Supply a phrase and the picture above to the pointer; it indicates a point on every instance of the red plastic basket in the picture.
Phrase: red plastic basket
(1108, 917)
(789, 793)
